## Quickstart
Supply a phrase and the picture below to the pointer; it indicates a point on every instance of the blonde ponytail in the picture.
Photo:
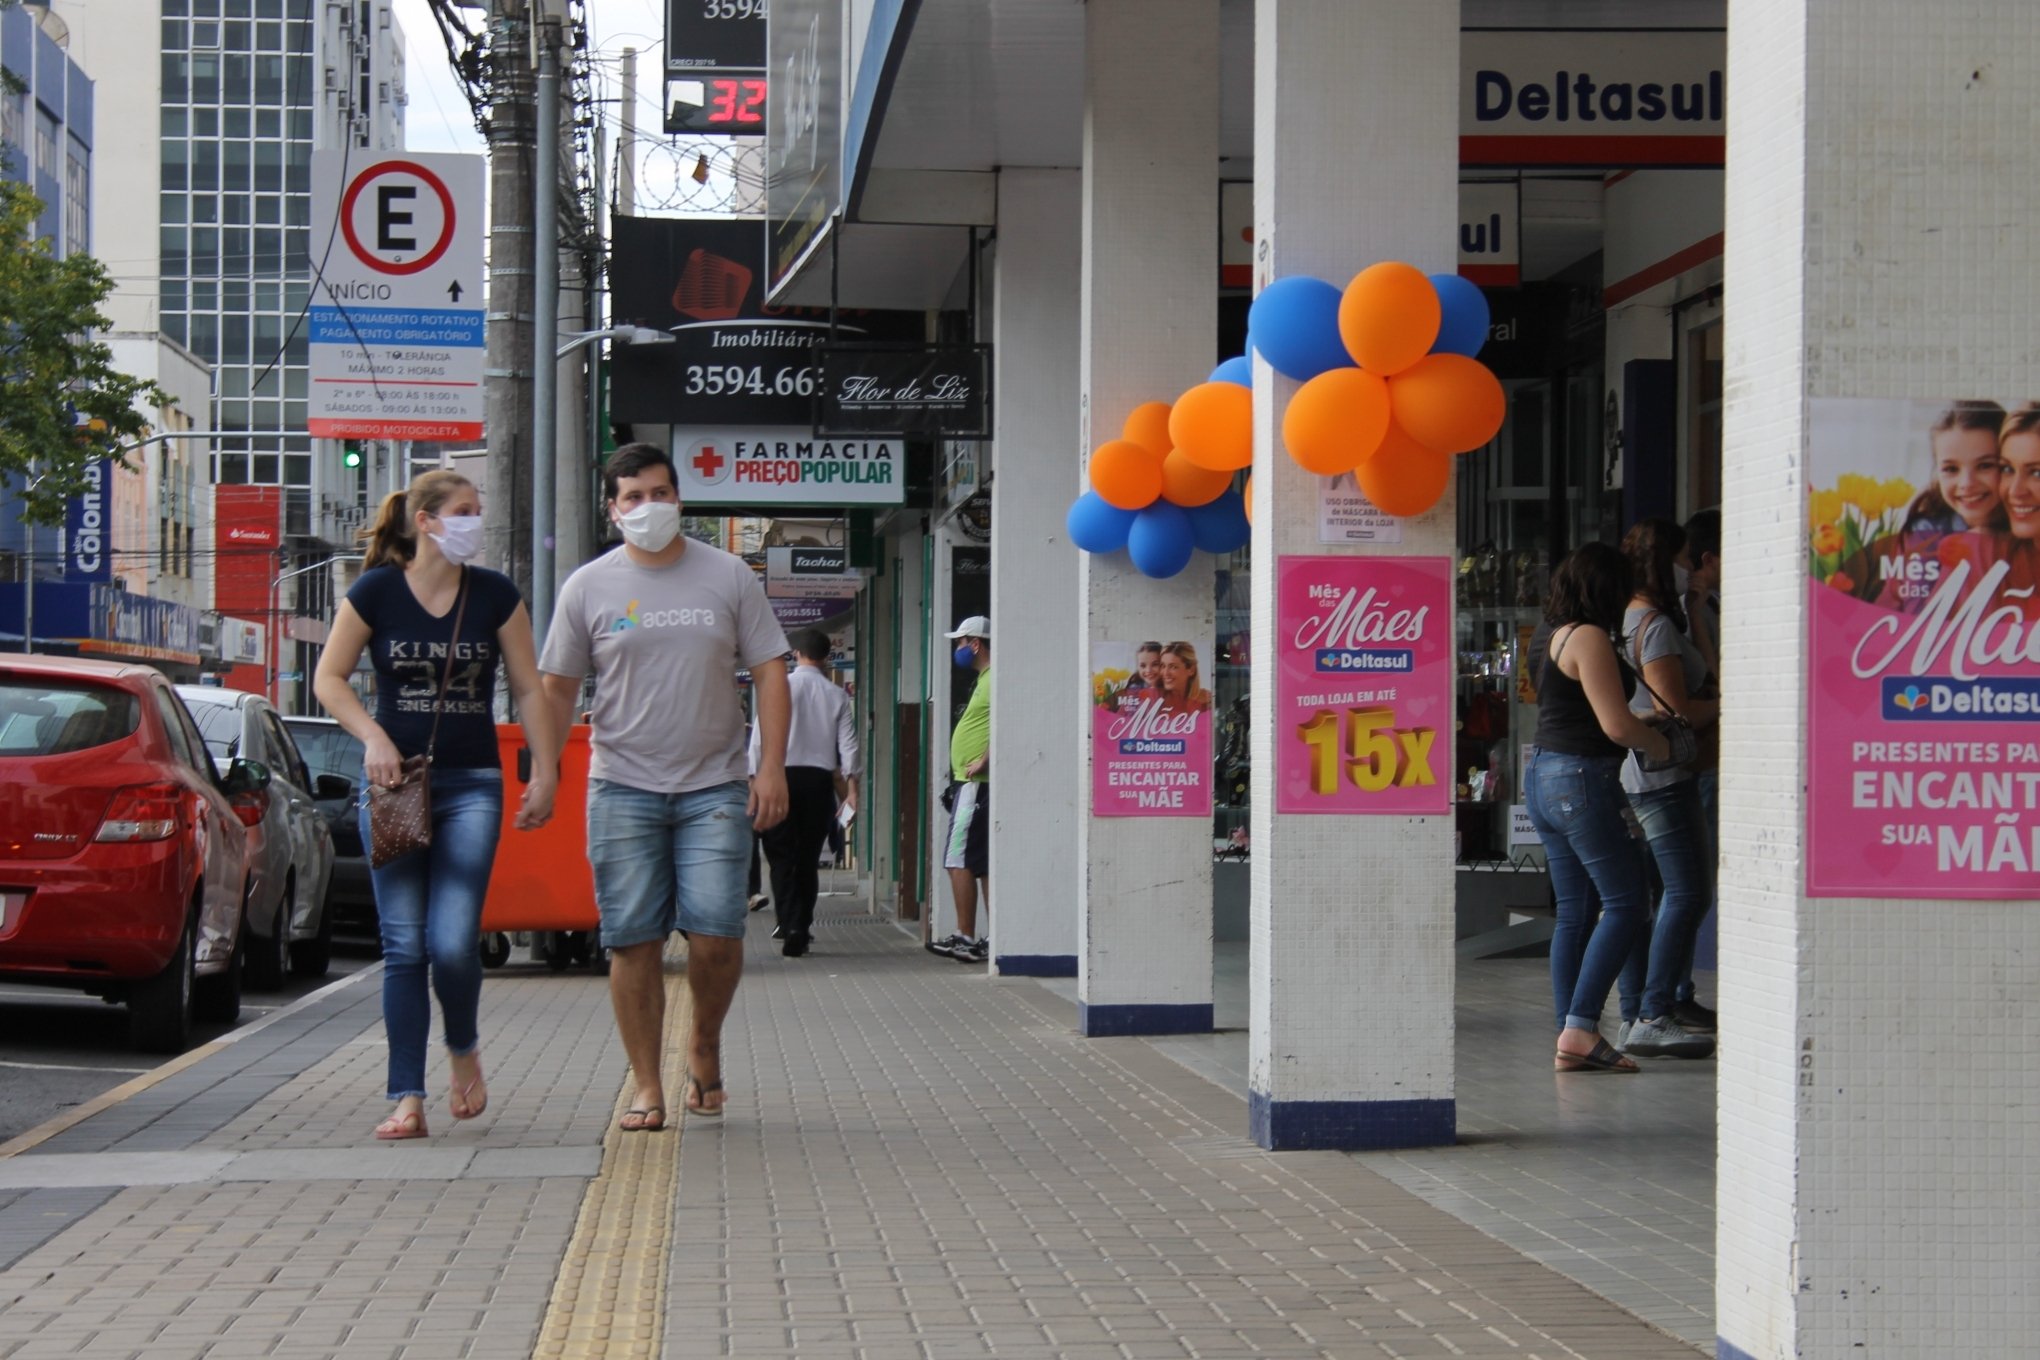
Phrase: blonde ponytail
(389, 540)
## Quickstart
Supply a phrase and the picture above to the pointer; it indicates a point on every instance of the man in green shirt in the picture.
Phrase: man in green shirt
(967, 855)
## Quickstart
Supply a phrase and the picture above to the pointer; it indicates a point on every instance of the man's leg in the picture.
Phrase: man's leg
(630, 839)
(963, 887)
(780, 852)
(810, 812)
(637, 991)
(713, 834)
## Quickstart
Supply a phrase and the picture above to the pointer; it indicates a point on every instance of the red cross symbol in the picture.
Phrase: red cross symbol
(709, 463)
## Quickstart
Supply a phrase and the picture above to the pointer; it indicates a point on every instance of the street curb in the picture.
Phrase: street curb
(106, 1100)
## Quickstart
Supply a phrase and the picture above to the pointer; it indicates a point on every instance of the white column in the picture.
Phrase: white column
(1149, 330)
(1356, 159)
(1035, 713)
(1879, 1060)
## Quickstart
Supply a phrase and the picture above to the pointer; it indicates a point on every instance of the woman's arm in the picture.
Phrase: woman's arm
(1590, 658)
(1667, 675)
(344, 642)
(535, 713)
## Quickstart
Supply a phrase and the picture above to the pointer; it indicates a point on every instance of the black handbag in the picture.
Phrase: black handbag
(400, 818)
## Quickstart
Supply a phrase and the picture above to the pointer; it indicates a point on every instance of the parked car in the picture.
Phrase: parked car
(330, 749)
(123, 848)
(290, 851)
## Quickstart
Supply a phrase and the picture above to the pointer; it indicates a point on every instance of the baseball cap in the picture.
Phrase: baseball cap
(977, 626)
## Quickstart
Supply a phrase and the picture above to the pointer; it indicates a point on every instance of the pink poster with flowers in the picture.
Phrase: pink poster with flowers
(1363, 685)
(1923, 555)
(1150, 729)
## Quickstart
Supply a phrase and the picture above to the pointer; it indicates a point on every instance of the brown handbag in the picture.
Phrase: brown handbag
(400, 818)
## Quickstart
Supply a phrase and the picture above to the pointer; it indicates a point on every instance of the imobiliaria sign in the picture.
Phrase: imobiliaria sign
(1923, 712)
(1363, 684)
(1150, 730)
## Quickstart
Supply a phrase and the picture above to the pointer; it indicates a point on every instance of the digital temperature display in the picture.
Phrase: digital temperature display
(717, 101)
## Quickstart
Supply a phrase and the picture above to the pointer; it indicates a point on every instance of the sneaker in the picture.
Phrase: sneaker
(1663, 1038)
(779, 932)
(758, 902)
(1694, 1018)
(947, 946)
(972, 951)
(1622, 1036)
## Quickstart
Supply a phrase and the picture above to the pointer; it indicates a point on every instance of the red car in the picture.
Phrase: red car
(123, 853)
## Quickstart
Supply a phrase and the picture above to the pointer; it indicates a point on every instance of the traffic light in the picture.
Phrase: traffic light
(350, 454)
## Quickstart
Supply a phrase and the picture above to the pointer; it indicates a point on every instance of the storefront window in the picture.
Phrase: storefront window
(1703, 416)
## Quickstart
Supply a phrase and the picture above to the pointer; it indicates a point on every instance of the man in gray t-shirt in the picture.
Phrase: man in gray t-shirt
(665, 624)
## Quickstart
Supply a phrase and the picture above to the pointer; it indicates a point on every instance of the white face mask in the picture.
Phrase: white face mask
(1682, 580)
(461, 542)
(651, 526)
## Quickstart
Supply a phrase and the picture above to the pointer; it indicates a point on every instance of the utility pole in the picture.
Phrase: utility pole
(545, 385)
(508, 406)
(626, 139)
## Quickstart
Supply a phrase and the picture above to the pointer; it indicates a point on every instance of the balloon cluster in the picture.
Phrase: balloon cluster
(1391, 388)
(1163, 489)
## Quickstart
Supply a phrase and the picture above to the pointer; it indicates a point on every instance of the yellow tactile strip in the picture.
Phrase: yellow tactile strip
(609, 1300)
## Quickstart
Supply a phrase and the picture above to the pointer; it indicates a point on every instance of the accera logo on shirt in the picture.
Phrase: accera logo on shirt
(663, 618)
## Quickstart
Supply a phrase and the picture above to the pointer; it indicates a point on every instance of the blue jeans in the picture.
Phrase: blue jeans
(431, 909)
(667, 861)
(1576, 803)
(1675, 823)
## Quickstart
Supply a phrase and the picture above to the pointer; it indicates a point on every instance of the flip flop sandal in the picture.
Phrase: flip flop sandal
(701, 1092)
(1604, 1058)
(645, 1119)
(460, 1096)
(399, 1127)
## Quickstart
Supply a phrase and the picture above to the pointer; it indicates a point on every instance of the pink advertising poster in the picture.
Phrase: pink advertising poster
(1150, 729)
(1363, 685)
(1923, 716)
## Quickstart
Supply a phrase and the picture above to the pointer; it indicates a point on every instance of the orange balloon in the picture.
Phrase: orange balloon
(1186, 484)
(1148, 427)
(1389, 317)
(1212, 425)
(1448, 402)
(1402, 477)
(1248, 496)
(1126, 475)
(1335, 420)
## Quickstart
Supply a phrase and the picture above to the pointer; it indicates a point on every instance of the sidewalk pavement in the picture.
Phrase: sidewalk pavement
(917, 1161)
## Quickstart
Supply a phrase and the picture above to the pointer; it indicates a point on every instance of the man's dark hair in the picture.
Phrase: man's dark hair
(1703, 535)
(632, 460)
(811, 643)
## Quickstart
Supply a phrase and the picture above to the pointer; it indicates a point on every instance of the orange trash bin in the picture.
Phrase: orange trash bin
(542, 880)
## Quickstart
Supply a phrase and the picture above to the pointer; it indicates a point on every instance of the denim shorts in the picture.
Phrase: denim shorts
(669, 861)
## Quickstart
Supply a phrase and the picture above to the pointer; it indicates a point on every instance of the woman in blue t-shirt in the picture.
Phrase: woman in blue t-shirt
(416, 589)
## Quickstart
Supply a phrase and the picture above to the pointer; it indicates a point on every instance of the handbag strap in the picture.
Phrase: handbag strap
(446, 675)
(1636, 667)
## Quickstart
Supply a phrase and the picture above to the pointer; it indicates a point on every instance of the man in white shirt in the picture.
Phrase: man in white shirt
(821, 743)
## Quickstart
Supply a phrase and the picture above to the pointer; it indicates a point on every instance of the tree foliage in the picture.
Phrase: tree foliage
(62, 403)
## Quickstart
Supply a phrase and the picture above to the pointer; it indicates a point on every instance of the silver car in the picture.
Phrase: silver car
(290, 848)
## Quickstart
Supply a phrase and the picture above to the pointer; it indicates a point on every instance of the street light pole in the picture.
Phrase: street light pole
(275, 610)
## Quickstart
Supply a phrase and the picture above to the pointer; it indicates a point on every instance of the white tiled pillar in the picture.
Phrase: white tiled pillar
(1880, 1059)
(1035, 718)
(1149, 330)
(1356, 160)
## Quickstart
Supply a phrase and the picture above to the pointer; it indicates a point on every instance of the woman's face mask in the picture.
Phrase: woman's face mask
(459, 538)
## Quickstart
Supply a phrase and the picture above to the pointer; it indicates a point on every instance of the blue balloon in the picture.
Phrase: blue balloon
(1096, 526)
(1239, 369)
(1463, 318)
(1221, 526)
(1295, 326)
(1160, 542)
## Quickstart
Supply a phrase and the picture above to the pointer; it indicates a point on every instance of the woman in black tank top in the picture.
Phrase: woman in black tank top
(1574, 791)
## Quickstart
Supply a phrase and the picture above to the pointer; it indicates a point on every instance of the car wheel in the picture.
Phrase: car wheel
(495, 949)
(218, 998)
(313, 958)
(159, 1009)
(269, 959)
